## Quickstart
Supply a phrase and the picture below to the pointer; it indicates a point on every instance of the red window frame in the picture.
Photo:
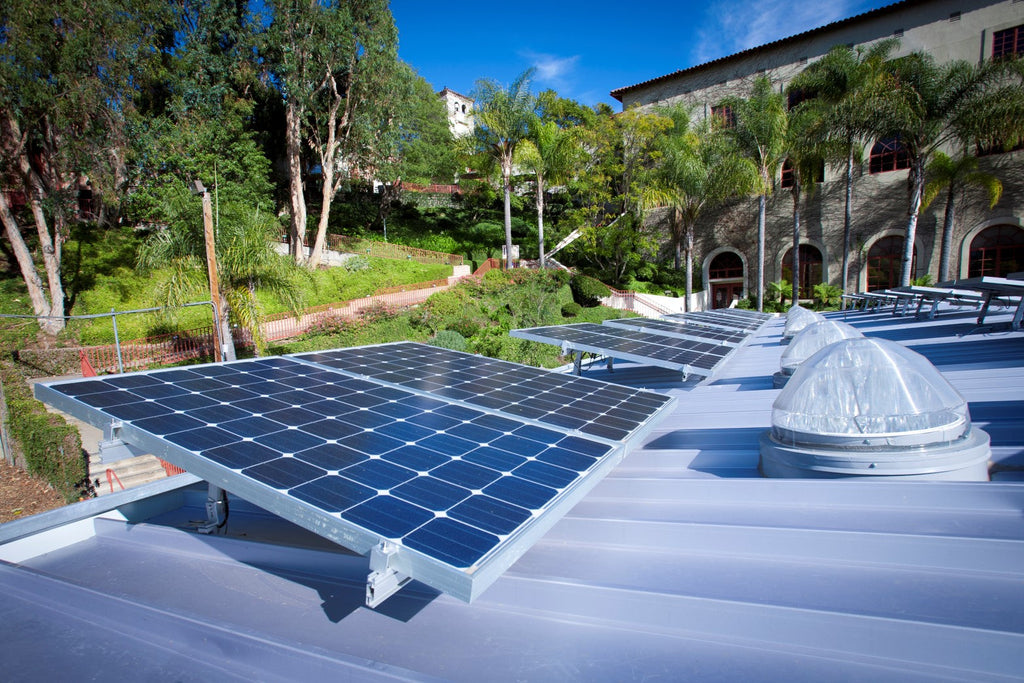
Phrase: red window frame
(888, 155)
(1008, 42)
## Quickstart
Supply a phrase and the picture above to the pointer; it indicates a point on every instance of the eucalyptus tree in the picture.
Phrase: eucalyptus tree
(760, 134)
(699, 169)
(503, 116)
(955, 175)
(551, 154)
(927, 106)
(68, 78)
(622, 149)
(832, 87)
(335, 63)
(246, 262)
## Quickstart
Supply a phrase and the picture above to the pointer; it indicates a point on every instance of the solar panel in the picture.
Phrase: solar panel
(597, 409)
(686, 356)
(680, 330)
(720, 320)
(454, 493)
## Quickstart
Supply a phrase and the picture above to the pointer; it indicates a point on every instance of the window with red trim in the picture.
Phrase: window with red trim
(787, 174)
(888, 155)
(724, 115)
(997, 251)
(1008, 42)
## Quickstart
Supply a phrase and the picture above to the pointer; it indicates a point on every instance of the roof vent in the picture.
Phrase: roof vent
(808, 342)
(797, 318)
(872, 408)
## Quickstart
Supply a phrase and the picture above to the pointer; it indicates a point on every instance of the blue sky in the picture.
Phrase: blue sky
(583, 50)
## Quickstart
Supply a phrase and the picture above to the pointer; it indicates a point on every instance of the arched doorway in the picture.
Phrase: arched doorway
(997, 251)
(884, 260)
(725, 275)
(811, 263)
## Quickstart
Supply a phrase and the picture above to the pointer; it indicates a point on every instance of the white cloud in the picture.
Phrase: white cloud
(553, 71)
(726, 29)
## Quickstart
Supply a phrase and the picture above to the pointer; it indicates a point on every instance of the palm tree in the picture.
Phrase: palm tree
(927, 106)
(760, 133)
(503, 117)
(805, 154)
(699, 169)
(955, 175)
(246, 263)
(551, 153)
(831, 87)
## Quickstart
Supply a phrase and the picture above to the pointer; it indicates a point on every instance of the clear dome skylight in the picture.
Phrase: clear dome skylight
(869, 392)
(871, 407)
(812, 339)
(797, 318)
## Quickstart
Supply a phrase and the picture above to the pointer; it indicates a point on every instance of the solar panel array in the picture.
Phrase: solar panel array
(461, 484)
(681, 330)
(595, 408)
(684, 355)
(723, 318)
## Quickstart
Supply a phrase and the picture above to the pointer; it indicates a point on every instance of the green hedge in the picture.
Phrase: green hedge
(49, 447)
(586, 291)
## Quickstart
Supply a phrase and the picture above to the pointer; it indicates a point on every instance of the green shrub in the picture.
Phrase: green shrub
(571, 310)
(586, 291)
(50, 447)
(449, 339)
(354, 264)
(826, 296)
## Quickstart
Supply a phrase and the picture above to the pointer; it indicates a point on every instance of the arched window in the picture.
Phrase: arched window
(997, 251)
(810, 269)
(725, 266)
(888, 155)
(884, 260)
(787, 174)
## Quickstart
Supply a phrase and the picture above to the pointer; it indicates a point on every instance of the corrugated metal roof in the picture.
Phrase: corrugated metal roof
(681, 564)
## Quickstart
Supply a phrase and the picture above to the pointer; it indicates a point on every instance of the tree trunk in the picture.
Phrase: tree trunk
(947, 235)
(225, 329)
(762, 201)
(916, 179)
(293, 144)
(848, 223)
(34, 284)
(540, 217)
(326, 195)
(796, 238)
(689, 267)
(506, 181)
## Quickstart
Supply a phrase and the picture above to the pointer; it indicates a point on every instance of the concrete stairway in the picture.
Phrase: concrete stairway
(123, 474)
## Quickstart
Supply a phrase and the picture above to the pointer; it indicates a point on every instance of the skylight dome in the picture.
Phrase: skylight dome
(870, 407)
(797, 318)
(813, 338)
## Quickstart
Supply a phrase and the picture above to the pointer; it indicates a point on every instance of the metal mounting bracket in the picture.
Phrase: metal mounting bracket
(383, 581)
(216, 510)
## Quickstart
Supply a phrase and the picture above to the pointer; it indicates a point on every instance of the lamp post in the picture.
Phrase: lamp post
(211, 268)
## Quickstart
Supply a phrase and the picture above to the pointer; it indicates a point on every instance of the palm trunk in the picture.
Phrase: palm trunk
(293, 145)
(506, 179)
(916, 179)
(848, 223)
(762, 201)
(540, 217)
(689, 267)
(796, 238)
(947, 235)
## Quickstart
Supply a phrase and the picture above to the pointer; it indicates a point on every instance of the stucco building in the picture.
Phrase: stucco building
(460, 112)
(986, 241)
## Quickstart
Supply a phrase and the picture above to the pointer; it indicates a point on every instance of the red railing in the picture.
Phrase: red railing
(163, 349)
(432, 189)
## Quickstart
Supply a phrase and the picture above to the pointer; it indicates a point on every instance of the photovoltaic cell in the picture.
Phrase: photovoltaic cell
(717, 318)
(518, 391)
(685, 355)
(361, 458)
(692, 331)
